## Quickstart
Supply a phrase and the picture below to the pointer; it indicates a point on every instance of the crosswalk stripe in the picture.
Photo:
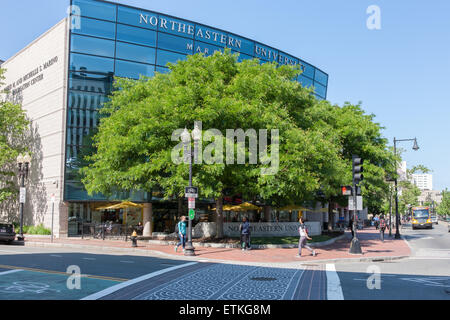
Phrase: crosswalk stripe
(334, 289)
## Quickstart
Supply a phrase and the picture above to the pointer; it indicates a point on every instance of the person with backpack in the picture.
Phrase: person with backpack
(181, 230)
(244, 228)
(303, 231)
(382, 227)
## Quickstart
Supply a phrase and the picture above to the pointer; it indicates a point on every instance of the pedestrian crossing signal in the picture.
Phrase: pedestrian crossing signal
(346, 190)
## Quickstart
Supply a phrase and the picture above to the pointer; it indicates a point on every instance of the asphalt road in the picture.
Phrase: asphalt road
(47, 274)
(425, 275)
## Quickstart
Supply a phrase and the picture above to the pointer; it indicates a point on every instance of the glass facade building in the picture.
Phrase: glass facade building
(107, 40)
(115, 40)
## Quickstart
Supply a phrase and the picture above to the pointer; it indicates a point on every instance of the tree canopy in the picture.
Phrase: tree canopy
(13, 124)
(136, 137)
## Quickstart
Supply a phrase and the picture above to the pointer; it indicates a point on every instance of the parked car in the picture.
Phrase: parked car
(7, 233)
(434, 219)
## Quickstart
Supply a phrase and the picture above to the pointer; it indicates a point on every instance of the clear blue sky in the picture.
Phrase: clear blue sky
(400, 73)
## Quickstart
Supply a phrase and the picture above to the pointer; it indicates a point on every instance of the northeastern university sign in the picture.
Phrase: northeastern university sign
(212, 36)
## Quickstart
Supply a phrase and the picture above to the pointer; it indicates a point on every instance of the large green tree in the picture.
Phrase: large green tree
(134, 144)
(13, 124)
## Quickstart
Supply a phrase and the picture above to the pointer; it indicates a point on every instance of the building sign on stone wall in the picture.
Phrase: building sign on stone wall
(30, 78)
(272, 229)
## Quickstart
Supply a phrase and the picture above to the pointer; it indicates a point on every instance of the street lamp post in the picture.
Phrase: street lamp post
(186, 138)
(23, 162)
(415, 148)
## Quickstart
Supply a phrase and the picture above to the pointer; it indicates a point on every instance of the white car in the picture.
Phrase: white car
(434, 219)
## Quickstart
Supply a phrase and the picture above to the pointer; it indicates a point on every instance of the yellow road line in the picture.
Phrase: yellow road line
(64, 273)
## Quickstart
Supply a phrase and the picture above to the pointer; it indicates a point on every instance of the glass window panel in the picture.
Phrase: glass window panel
(135, 53)
(138, 18)
(162, 69)
(81, 62)
(136, 35)
(165, 56)
(320, 89)
(90, 82)
(240, 44)
(176, 26)
(321, 77)
(90, 45)
(96, 9)
(207, 49)
(174, 43)
(308, 70)
(210, 35)
(306, 82)
(133, 70)
(91, 27)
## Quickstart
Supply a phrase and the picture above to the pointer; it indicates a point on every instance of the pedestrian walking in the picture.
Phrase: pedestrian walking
(377, 222)
(181, 229)
(382, 227)
(303, 231)
(244, 228)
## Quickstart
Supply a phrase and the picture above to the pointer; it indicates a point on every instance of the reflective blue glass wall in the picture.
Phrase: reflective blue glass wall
(110, 40)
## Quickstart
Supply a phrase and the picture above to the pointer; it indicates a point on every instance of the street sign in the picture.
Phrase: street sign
(191, 214)
(359, 203)
(191, 202)
(53, 198)
(191, 195)
(23, 195)
(346, 190)
(193, 190)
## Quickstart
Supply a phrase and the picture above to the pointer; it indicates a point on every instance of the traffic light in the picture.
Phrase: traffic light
(357, 169)
(346, 190)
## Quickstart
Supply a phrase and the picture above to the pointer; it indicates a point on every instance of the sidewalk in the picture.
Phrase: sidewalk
(372, 248)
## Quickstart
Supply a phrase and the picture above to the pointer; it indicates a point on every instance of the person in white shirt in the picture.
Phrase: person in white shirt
(303, 237)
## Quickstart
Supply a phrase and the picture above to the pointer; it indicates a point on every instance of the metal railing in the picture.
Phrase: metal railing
(109, 231)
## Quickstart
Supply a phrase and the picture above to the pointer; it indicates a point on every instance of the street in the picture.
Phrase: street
(47, 274)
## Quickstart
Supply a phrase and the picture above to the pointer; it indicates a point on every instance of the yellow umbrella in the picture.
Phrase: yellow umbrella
(226, 207)
(246, 206)
(123, 205)
(104, 207)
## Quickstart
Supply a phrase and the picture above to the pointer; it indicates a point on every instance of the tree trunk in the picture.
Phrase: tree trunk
(267, 215)
(219, 217)
(180, 207)
(330, 216)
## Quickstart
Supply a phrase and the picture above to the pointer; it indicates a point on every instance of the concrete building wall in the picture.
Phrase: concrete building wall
(36, 78)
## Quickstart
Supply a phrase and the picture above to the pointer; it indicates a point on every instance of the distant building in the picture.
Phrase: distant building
(423, 181)
(430, 196)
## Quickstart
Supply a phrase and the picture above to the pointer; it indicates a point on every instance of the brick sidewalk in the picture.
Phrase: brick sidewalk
(369, 238)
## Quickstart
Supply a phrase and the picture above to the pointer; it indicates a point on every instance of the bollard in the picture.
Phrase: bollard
(134, 239)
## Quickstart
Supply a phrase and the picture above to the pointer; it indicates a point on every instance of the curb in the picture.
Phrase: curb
(257, 246)
(366, 259)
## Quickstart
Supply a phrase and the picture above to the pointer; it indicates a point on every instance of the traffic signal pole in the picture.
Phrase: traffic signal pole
(355, 246)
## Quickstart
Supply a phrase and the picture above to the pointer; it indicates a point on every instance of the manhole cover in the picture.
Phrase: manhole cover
(263, 279)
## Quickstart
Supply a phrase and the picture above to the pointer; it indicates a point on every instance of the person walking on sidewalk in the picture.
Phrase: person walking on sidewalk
(303, 231)
(244, 228)
(181, 226)
(382, 227)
